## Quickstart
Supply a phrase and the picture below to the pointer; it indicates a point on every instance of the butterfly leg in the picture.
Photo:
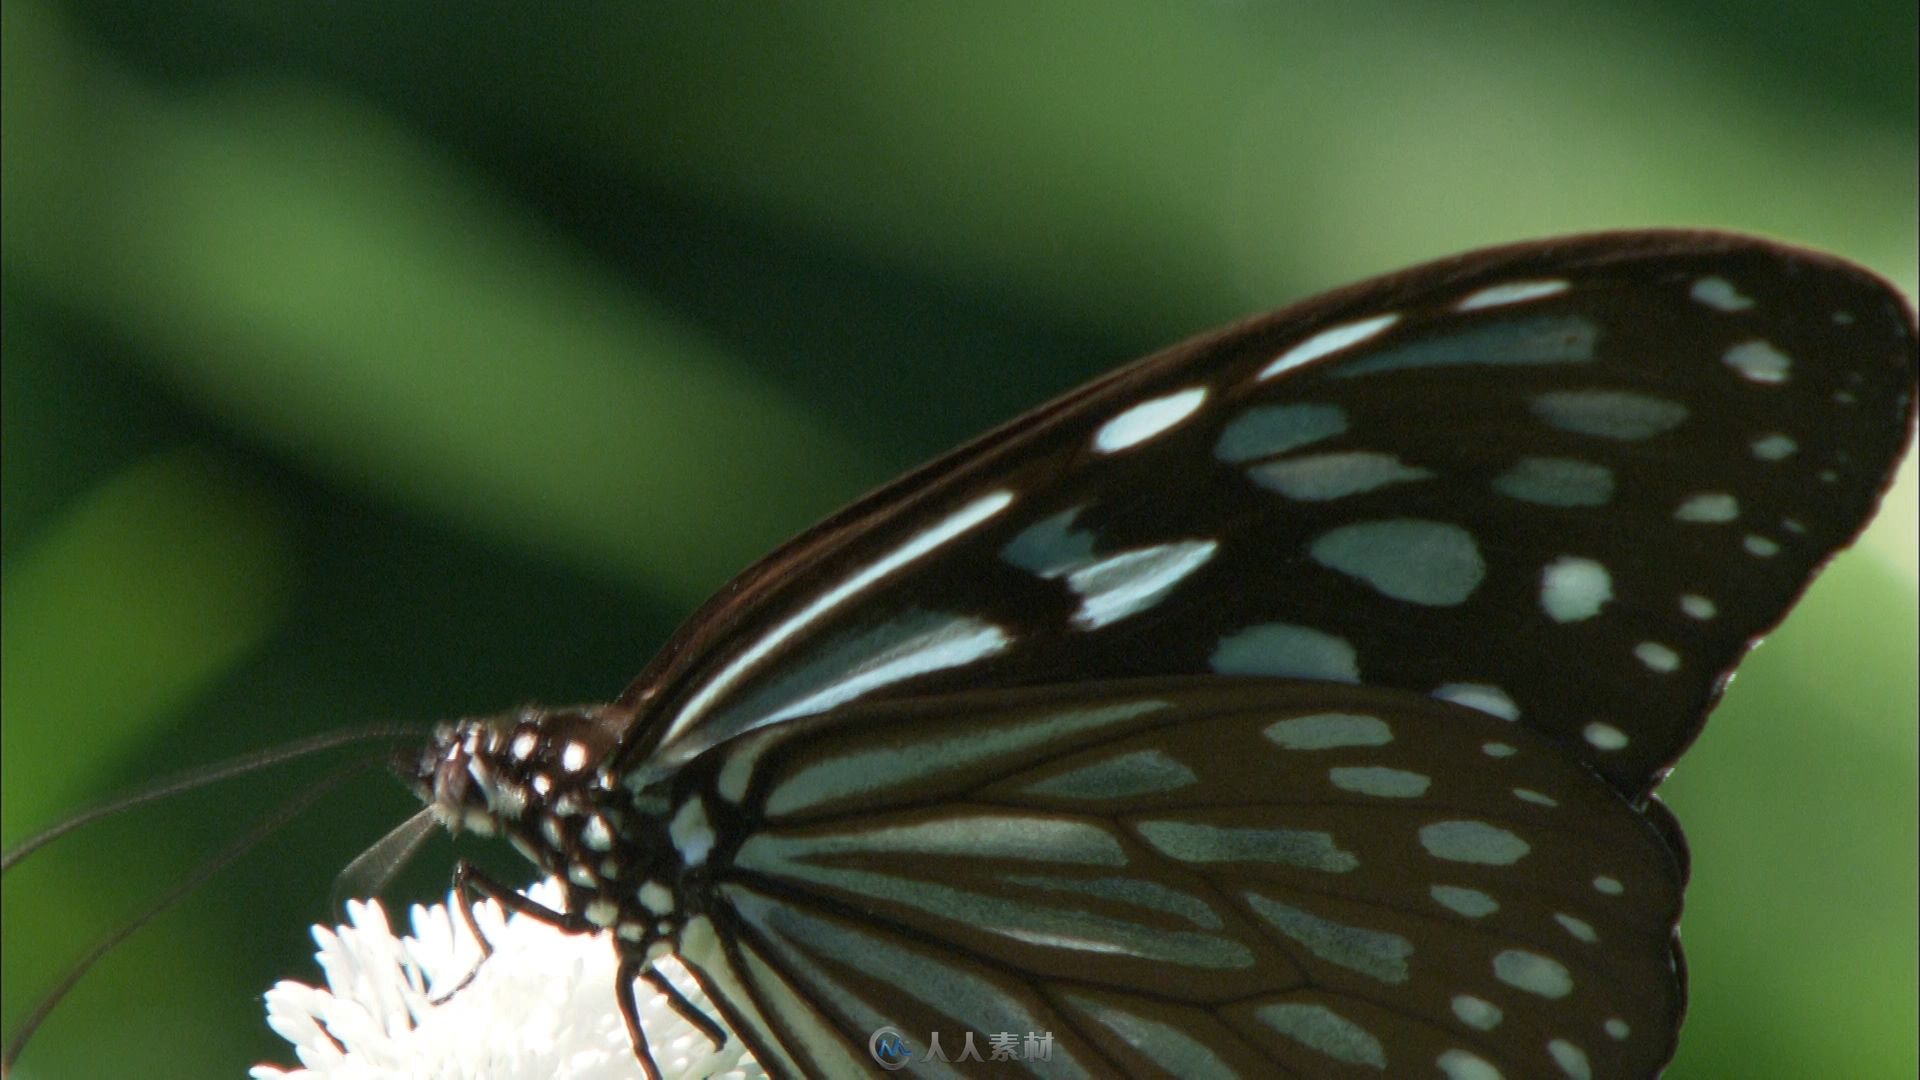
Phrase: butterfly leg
(631, 967)
(469, 880)
(688, 1011)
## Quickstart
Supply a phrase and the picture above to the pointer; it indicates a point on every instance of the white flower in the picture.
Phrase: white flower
(542, 1006)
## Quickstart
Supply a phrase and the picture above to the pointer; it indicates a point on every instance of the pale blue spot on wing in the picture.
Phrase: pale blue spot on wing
(1194, 842)
(1608, 414)
(1147, 419)
(1512, 292)
(1550, 339)
(1556, 482)
(1276, 429)
(1657, 657)
(1133, 581)
(1144, 772)
(1473, 842)
(1164, 1044)
(1379, 781)
(1320, 477)
(1571, 1059)
(1477, 1012)
(1581, 929)
(1718, 293)
(1709, 508)
(1050, 547)
(1758, 361)
(1283, 649)
(1431, 563)
(1604, 736)
(1533, 973)
(1322, 1029)
(1461, 900)
(1329, 731)
(865, 772)
(1459, 1064)
(1375, 953)
(1573, 589)
(1138, 892)
(1485, 697)
(1698, 607)
(1775, 447)
(1325, 343)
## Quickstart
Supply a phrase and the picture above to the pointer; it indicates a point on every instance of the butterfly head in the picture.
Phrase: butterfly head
(489, 774)
(541, 778)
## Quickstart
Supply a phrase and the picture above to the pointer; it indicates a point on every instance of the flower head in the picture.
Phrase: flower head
(542, 1005)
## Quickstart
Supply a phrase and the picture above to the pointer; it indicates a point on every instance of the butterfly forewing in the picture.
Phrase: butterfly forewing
(1565, 483)
(1195, 877)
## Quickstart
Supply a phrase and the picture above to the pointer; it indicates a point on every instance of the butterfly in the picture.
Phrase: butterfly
(1289, 701)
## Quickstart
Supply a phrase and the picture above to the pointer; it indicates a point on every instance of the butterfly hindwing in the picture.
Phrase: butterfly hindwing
(1201, 877)
(1568, 483)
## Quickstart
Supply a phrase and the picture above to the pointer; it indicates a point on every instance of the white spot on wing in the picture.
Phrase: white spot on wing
(1322, 1029)
(1461, 900)
(1431, 563)
(1513, 292)
(936, 643)
(1284, 649)
(1477, 1013)
(1457, 1064)
(1133, 581)
(1325, 343)
(1657, 657)
(1377, 954)
(1191, 841)
(1485, 697)
(1556, 482)
(1144, 772)
(1379, 781)
(1708, 508)
(1147, 419)
(1758, 361)
(1573, 589)
(1328, 731)
(1608, 414)
(858, 773)
(1761, 546)
(1533, 973)
(1718, 293)
(1321, 477)
(1571, 1059)
(1276, 429)
(1581, 929)
(1603, 736)
(691, 832)
(1774, 447)
(1698, 607)
(1473, 842)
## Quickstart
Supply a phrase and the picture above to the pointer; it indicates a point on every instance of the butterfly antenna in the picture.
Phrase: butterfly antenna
(199, 778)
(200, 875)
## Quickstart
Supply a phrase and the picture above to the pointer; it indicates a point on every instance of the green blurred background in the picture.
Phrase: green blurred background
(368, 363)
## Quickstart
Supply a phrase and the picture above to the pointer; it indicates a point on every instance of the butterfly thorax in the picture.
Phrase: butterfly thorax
(540, 778)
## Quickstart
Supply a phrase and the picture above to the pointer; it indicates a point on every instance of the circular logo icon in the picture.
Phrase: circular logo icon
(889, 1049)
